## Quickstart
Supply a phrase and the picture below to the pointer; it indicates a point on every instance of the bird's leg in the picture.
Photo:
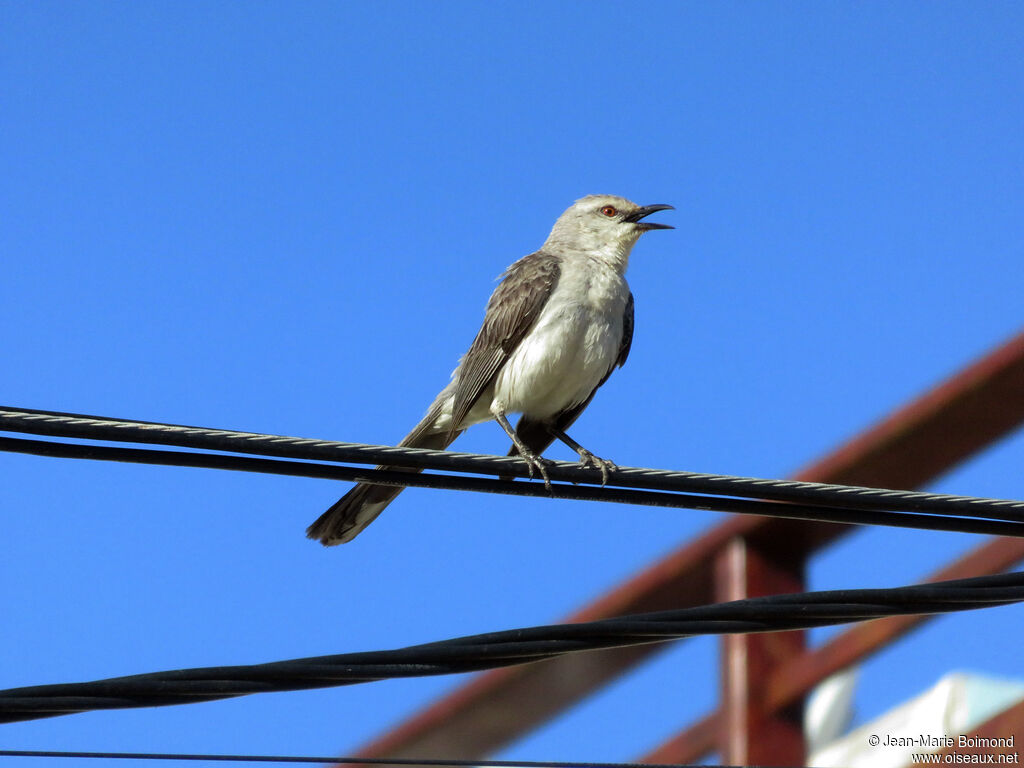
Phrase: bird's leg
(533, 461)
(587, 459)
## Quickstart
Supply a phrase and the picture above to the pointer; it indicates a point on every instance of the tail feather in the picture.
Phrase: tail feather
(360, 506)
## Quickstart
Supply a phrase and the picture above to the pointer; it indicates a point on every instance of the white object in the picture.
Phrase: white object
(829, 709)
(955, 705)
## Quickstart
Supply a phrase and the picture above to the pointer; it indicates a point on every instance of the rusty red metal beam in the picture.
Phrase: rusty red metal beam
(749, 731)
(796, 677)
(790, 681)
(496, 707)
(915, 444)
(923, 440)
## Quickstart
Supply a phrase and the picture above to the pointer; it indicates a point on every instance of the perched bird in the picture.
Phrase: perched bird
(555, 328)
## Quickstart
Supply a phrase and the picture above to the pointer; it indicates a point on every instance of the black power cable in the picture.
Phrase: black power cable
(510, 647)
(805, 501)
(558, 490)
(537, 490)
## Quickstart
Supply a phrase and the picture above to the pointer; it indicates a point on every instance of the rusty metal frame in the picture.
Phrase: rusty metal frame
(764, 677)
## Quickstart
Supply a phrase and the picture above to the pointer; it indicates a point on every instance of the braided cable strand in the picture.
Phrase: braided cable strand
(56, 424)
(958, 521)
(510, 647)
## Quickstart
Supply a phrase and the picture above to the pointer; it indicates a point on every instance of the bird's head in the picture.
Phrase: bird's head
(605, 226)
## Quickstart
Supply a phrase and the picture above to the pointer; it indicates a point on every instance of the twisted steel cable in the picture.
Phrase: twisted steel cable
(510, 647)
(636, 485)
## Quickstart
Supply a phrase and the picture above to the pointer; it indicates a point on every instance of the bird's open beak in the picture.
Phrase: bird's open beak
(647, 210)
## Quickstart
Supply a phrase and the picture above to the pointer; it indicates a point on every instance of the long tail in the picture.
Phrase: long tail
(360, 506)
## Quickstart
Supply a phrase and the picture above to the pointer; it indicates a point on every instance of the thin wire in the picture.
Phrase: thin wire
(812, 497)
(510, 647)
(344, 760)
(955, 523)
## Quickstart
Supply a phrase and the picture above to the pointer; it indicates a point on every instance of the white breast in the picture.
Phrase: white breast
(573, 345)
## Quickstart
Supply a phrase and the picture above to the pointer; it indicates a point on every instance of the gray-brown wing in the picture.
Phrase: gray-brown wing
(512, 310)
(535, 435)
(627, 338)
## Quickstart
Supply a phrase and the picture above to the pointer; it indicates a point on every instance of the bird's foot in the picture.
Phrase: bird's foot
(533, 461)
(587, 459)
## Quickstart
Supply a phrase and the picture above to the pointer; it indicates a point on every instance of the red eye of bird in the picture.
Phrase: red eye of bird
(609, 211)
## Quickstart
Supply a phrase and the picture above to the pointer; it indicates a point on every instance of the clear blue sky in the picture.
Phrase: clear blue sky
(287, 217)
